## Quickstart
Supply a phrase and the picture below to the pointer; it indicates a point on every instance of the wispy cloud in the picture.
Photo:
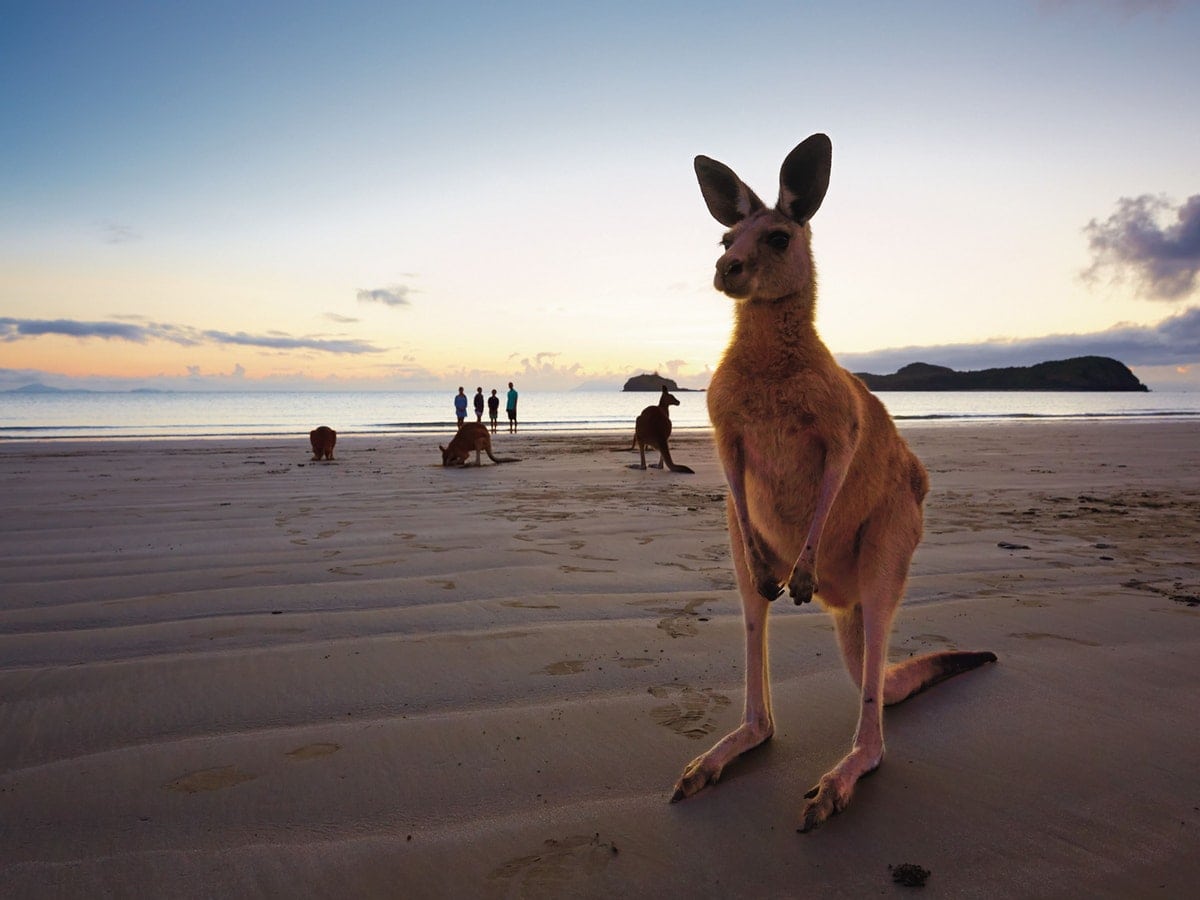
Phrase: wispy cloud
(183, 335)
(1127, 7)
(117, 233)
(1162, 259)
(396, 295)
(1173, 341)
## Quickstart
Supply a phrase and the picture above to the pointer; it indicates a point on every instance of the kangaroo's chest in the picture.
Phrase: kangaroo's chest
(773, 434)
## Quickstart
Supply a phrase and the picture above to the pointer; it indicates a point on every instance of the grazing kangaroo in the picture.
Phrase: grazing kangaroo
(652, 429)
(471, 436)
(322, 439)
(820, 481)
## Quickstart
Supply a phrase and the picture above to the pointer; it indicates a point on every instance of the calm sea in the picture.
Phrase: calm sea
(98, 415)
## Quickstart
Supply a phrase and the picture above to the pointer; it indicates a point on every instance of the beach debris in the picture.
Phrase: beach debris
(1007, 545)
(909, 874)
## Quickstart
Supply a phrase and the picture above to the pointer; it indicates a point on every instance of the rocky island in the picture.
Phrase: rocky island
(1081, 373)
(653, 382)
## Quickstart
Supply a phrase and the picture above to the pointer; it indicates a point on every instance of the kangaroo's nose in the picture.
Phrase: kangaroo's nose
(729, 267)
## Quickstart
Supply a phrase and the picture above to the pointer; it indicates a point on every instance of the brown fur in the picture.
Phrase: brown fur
(652, 429)
(824, 495)
(472, 436)
(322, 439)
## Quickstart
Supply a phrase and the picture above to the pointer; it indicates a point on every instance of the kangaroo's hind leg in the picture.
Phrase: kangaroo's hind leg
(864, 595)
(862, 632)
(758, 724)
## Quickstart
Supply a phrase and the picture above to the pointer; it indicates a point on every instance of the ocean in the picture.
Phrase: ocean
(161, 415)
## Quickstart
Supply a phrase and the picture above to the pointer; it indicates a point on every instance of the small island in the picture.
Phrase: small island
(1081, 373)
(652, 382)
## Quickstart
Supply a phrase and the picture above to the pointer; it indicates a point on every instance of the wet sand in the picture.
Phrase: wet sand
(226, 670)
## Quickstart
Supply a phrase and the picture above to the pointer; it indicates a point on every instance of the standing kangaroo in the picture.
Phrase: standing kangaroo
(652, 429)
(819, 478)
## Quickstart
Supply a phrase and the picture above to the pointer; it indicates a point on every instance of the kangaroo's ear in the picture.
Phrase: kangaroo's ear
(804, 178)
(727, 198)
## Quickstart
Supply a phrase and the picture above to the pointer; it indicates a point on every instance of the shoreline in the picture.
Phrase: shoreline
(227, 669)
(586, 432)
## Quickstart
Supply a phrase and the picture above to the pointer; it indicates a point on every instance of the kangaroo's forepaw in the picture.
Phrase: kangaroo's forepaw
(802, 586)
(769, 588)
(697, 775)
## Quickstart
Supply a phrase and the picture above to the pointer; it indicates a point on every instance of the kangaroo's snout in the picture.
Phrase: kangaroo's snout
(731, 272)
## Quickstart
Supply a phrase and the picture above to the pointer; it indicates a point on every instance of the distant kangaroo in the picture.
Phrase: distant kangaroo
(323, 438)
(652, 429)
(471, 436)
(819, 479)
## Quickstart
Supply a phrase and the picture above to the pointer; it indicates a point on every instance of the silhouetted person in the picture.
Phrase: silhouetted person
(510, 407)
(493, 409)
(460, 407)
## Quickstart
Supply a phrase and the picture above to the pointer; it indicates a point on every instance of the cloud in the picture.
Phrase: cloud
(1163, 260)
(117, 233)
(183, 335)
(340, 319)
(1128, 7)
(396, 295)
(1173, 341)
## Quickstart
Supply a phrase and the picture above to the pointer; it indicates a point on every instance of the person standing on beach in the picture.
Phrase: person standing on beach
(460, 407)
(493, 409)
(478, 404)
(511, 408)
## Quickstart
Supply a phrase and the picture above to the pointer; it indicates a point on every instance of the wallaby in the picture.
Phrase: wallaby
(471, 436)
(652, 429)
(824, 495)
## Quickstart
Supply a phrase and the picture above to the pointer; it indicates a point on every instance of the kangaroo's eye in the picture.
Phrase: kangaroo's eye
(778, 240)
(727, 241)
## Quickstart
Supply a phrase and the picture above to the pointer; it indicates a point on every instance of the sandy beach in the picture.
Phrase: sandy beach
(226, 670)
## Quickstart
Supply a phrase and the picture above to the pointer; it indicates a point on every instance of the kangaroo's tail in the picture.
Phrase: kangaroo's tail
(671, 464)
(915, 675)
(500, 459)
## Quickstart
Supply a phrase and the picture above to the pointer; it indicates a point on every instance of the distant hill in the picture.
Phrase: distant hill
(1082, 373)
(38, 389)
(653, 382)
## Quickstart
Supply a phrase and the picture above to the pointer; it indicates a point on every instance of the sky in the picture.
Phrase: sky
(391, 196)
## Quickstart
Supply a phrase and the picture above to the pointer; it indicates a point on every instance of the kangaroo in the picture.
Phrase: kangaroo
(652, 429)
(322, 439)
(820, 481)
(471, 436)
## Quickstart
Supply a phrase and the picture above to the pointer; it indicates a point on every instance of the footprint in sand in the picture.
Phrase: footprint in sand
(930, 638)
(565, 667)
(688, 711)
(313, 751)
(635, 662)
(208, 780)
(681, 622)
(1042, 636)
(559, 869)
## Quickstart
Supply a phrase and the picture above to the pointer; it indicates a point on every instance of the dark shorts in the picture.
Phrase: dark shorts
(512, 415)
